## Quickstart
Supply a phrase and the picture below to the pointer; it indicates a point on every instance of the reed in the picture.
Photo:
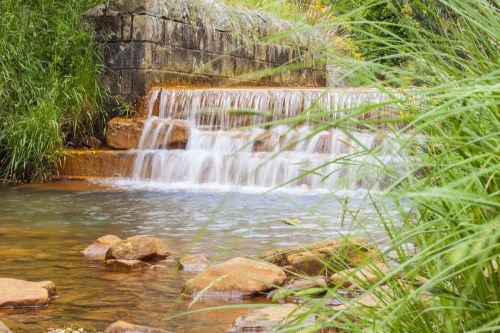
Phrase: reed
(49, 89)
(445, 246)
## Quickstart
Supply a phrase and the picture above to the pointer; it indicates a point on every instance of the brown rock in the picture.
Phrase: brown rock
(124, 133)
(4, 328)
(193, 263)
(90, 163)
(235, 278)
(296, 285)
(122, 265)
(265, 319)
(139, 248)
(359, 277)
(312, 259)
(19, 293)
(123, 327)
(101, 245)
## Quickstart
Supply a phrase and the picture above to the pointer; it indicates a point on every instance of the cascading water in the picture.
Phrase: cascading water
(264, 138)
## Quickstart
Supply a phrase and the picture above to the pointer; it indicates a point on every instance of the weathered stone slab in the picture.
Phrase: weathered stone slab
(18, 293)
(90, 163)
(124, 133)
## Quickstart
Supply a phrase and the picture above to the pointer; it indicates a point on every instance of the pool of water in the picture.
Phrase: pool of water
(44, 228)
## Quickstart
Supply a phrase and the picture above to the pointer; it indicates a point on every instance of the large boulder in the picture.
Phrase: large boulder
(124, 327)
(122, 265)
(265, 319)
(323, 257)
(100, 246)
(4, 328)
(236, 278)
(143, 248)
(18, 293)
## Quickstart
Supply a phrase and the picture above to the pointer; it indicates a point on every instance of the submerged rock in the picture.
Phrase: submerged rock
(236, 278)
(359, 278)
(18, 293)
(124, 327)
(143, 248)
(122, 265)
(101, 245)
(318, 258)
(193, 263)
(4, 328)
(265, 319)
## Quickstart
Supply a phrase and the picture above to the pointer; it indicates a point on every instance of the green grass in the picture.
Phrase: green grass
(49, 89)
(449, 201)
(292, 10)
(445, 244)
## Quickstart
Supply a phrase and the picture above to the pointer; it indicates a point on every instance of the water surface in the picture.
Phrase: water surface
(44, 228)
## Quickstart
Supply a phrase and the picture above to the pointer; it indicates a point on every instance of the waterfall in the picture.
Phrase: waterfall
(266, 138)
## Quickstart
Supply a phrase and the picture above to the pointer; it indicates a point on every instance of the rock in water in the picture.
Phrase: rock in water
(139, 248)
(4, 328)
(122, 265)
(360, 277)
(236, 278)
(123, 327)
(311, 259)
(265, 319)
(101, 245)
(194, 263)
(18, 293)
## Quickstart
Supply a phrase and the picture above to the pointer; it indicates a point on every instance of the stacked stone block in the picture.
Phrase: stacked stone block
(147, 43)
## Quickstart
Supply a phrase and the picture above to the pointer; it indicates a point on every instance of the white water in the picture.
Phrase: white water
(231, 146)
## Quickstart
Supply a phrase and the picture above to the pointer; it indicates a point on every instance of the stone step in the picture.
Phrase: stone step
(125, 133)
(78, 164)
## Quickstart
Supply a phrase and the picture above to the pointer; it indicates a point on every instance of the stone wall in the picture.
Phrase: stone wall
(202, 43)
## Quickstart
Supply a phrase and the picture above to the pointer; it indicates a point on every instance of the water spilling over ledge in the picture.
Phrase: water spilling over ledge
(267, 138)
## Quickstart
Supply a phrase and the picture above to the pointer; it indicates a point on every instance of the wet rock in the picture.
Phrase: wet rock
(193, 263)
(18, 293)
(101, 245)
(139, 248)
(122, 265)
(312, 259)
(265, 319)
(4, 328)
(236, 278)
(123, 327)
(359, 278)
(296, 285)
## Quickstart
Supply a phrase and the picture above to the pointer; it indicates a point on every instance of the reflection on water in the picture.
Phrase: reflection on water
(44, 228)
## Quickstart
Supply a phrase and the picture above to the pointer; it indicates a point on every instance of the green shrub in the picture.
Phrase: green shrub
(49, 89)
